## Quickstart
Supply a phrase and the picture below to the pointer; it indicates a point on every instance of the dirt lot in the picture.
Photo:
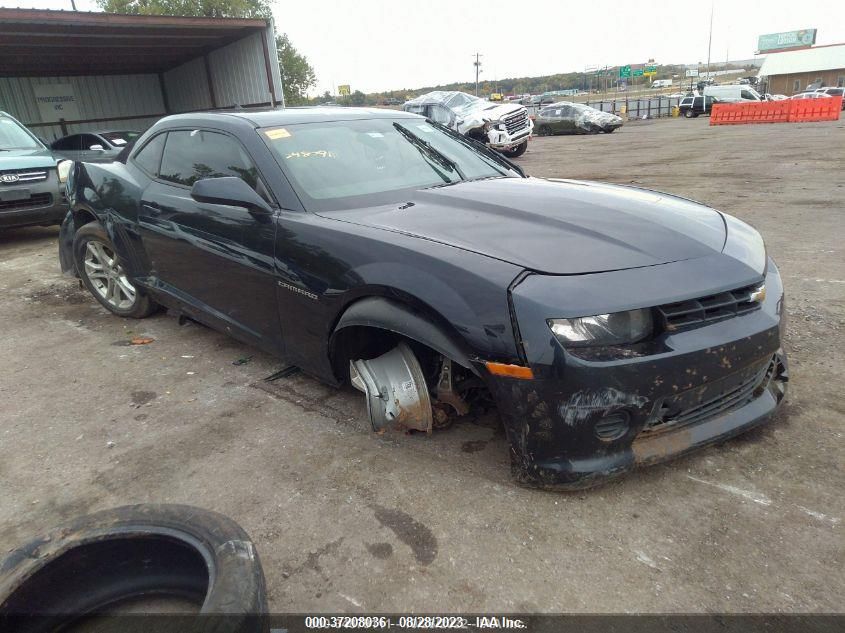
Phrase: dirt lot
(348, 521)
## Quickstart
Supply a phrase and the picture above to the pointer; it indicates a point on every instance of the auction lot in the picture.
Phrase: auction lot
(345, 520)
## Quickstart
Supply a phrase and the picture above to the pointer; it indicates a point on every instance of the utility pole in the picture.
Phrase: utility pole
(73, 4)
(709, 41)
(477, 64)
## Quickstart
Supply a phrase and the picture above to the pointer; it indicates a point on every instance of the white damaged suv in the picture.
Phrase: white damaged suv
(503, 126)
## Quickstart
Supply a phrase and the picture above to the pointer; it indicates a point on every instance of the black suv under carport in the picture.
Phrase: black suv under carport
(612, 326)
(31, 178)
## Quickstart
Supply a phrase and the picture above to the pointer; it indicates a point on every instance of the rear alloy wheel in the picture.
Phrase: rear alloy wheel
(514, 152)
(102, 273)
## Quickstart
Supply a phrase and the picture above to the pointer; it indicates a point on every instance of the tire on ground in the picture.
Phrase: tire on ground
(519, 150)
(94, 231)
(99, 561)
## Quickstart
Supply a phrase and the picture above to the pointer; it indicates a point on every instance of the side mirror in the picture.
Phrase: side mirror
(97, 148)
(232, 191)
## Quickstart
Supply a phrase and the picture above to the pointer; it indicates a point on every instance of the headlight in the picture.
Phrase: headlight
(617, 328)
(63, 168)
(494, 125)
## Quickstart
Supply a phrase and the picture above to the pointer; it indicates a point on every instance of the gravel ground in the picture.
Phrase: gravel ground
(348, 521)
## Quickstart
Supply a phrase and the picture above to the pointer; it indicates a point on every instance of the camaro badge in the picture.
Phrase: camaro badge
(298, 291)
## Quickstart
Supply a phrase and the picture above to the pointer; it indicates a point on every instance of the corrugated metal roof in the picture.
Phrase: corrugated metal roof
(35, 42)
(804, 61)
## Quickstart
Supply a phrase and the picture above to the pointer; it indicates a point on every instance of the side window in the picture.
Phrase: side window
(193, 155)
(686, 102)
(67, 143)
(149, 157)
(87, 140)
(745, 94)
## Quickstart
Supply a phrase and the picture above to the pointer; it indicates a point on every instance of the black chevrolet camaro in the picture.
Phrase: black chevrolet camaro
(611, 326)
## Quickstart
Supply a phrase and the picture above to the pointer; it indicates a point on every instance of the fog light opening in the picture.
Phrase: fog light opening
(613, 426)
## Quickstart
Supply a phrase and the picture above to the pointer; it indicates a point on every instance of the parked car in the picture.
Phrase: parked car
(574, 118)
(771, 97)
(811, 95)
(504, 126)
(103, 146)
(32, 179)
(694, 105)
(833, 91)
(732, 93)
(612, 327)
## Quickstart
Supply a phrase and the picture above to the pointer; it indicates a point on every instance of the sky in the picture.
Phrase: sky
(378, 45)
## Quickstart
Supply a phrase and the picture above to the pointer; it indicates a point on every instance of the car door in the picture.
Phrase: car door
(83, 148)
(69, 147)
(216, 259)
(565, 120)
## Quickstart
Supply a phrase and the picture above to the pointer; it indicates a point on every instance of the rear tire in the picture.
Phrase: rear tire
(689, 114)
(517, 151)
(101, 271)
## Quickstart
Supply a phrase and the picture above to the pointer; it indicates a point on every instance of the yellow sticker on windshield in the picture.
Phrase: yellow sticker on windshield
(277, 133)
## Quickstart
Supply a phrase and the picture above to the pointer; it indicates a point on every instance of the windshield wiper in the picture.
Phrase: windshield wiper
(429, 149)
(481, 147)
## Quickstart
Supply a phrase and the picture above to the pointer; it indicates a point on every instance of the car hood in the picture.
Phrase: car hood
(555, 226)
(26, 159)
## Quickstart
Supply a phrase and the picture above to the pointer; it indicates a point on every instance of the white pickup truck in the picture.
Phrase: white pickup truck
(503, 126)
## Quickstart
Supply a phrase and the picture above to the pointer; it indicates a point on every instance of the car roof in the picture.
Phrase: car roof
(288, 116)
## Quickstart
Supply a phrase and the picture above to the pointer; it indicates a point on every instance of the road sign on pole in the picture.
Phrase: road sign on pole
(638, 72)
(624, 71)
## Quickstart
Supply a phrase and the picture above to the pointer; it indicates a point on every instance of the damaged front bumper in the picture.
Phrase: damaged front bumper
(584, 419)
(502, 140)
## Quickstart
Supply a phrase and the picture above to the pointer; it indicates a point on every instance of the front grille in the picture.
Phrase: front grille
(734, 398)
(28, 175)
(674, 316)
(38, 200)
(516, 122)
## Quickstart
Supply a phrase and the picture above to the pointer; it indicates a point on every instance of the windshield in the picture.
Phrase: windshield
(15, 136)
(347, 164)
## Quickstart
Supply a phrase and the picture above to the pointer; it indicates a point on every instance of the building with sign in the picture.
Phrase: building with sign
(790, 72)
(63, 72)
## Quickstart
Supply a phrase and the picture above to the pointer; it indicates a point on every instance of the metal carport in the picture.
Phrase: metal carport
(66, 71)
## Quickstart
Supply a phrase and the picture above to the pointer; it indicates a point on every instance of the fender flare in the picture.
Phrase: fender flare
(384, 314)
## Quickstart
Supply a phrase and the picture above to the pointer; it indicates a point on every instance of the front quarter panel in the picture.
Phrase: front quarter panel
(111, 192)
(325, 265)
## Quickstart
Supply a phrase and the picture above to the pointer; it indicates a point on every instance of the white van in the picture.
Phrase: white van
(661, 83)
(732, 93)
